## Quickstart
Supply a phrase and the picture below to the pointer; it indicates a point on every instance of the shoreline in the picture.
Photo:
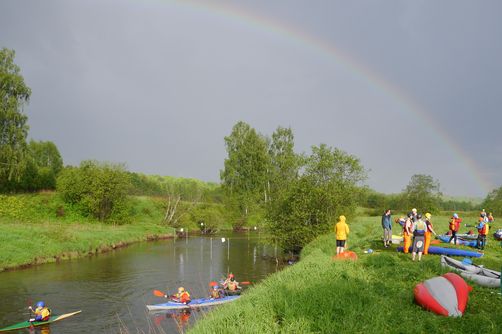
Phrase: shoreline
(73, 255)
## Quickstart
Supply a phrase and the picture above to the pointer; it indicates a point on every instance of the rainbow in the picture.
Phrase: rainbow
(266, 25)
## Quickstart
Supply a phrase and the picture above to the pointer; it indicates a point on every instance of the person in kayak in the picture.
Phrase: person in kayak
(454, 226)
(41, 312)
(428, 232)
(216, 292)
(231, 284)
(182, 296)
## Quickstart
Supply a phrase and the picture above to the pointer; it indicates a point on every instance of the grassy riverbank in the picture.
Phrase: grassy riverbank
(39, 228)
(371, 295)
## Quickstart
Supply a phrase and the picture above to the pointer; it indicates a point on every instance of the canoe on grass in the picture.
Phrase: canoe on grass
(482, 276)
(27, 324)
(448, 251)
(195, 303)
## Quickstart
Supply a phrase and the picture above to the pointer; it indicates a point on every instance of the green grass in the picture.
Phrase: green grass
(40, 228)
(371, 295)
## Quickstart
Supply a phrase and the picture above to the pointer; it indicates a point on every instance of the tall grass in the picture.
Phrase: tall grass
(371, 295)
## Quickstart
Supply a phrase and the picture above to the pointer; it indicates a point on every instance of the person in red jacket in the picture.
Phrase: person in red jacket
(454, 227)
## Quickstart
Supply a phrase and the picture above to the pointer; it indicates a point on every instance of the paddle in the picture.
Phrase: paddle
(159, 293)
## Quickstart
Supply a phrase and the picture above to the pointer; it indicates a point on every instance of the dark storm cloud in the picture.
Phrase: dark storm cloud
(158, 84)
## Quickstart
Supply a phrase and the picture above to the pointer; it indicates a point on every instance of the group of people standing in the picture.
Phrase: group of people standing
(417, 232)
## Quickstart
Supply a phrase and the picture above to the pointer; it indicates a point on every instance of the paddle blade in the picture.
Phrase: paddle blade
(158, 293)
(245, 283)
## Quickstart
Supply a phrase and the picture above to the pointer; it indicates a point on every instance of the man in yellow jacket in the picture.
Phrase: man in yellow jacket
(341, 231)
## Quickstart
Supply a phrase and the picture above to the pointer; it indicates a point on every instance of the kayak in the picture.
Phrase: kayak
(448, 251)
(232, 292)
(482, 276)
(195, 303)
(460, 240)
(27, 324)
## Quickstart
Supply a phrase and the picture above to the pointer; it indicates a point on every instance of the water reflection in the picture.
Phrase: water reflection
(113, 289)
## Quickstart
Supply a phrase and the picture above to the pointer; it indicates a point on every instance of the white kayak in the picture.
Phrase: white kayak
(480, 275)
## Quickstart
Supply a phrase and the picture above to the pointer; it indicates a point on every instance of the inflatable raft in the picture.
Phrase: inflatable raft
(479, 275)
(445, 295)
(448, 251)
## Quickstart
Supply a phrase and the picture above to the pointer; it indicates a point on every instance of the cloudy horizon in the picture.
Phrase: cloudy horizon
(407, 87)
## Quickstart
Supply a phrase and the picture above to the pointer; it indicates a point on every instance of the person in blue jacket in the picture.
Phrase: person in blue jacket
(387, 228)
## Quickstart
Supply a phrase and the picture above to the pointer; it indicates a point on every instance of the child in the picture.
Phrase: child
(216, 293)
(41, 312)
(182, 296)
(342, 232)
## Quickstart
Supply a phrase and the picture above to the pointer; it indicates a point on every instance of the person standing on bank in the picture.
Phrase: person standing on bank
(342, 232)
(387, 228)
(419, 228)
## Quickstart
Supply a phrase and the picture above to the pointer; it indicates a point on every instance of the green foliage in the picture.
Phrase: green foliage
(423, 193)
(14, 94)
(186, 188)
(245, 174)
(493, 202)
(328, 187)
(98, 189)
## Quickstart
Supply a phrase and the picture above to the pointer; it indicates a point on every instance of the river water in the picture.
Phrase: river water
(112, 289)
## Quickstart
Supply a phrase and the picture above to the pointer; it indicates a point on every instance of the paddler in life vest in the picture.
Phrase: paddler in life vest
(231, 284)
(407, 232)
(419, 228)
(182, 296)
(454, 226)
(216, 292)
(428, 232)
(41, 312)
(483, 229)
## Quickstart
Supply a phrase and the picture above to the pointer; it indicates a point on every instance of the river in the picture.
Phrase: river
(112, 289)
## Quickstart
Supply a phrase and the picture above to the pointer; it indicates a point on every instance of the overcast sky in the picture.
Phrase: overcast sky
(409, 87)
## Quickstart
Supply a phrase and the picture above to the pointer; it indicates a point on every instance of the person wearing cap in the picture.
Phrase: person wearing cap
(428, 232)
(216, 292)
(387, 228)
(182, 296)
(342, 232)
(419, 228)
(407, 232)
(231, 284)
(454, 226)
(41, 312)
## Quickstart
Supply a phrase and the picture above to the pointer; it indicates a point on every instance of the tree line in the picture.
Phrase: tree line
(297, 196)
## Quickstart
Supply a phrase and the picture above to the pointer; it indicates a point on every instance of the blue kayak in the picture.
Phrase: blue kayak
(448, 251)
(195, 303)
(460, 240)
